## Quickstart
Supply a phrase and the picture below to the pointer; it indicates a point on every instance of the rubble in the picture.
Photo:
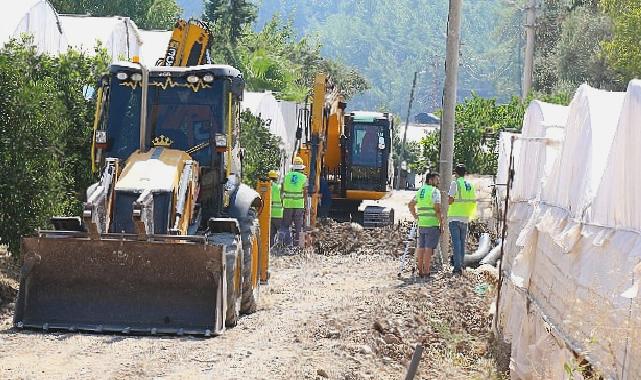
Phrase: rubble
(333, 238)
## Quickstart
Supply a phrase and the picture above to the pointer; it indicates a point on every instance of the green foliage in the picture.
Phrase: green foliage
(147, 14)
(45, 129)
(578, 51)
(262, 149)
(387, 40)
(231, 17)
(478, 122)
(623, 51)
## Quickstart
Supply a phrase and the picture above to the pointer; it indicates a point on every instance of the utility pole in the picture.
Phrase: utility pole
(407, 122)
(528, 66)
(449, 108)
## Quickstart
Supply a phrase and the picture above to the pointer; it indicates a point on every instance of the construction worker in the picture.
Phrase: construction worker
(462, 201)
(277, 206)
(428, 204)
(294, 190)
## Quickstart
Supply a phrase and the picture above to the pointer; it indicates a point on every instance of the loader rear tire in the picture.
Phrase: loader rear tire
(233, 261)
(250, 238)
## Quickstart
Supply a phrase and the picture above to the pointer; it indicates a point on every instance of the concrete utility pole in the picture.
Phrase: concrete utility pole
(449, 108)
(528, 66)
(407, 122)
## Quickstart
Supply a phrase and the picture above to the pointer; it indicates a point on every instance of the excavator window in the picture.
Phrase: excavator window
(365, 150)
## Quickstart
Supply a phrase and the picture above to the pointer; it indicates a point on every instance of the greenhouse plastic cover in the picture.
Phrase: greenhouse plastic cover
(154, 45)
(592, 121)
(119, 35)
(37, 18)
(539, 117)
(618, 198)
(572, 279)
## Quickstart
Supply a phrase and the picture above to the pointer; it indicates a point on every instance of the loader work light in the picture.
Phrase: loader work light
(192, 79)
(208, 78)
(136, 77)
(122, 75)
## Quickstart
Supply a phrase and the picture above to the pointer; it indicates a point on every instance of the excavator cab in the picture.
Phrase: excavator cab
(367, 151)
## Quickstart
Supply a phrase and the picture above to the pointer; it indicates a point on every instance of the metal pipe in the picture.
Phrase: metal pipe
(416, 359)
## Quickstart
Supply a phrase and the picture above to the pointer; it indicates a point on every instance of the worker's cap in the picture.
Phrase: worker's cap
(273, 174)
(460, 169)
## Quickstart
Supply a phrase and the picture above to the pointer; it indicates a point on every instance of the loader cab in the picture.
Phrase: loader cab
(192, 109)
(367, 151)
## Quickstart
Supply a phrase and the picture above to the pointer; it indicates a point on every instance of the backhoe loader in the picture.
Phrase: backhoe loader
(169, 240)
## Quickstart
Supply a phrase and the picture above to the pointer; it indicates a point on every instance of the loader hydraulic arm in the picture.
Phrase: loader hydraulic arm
(97, 210)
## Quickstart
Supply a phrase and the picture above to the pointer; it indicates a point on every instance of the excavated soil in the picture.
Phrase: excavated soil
(338, 313)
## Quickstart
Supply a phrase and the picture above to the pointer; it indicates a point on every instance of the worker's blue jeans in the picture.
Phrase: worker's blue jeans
(458, 232)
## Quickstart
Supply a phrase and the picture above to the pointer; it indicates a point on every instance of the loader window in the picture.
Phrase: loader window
(187, 117)
(365, 151)
(123, 123)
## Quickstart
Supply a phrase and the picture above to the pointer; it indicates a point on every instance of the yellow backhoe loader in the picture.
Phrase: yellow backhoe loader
(169, 241)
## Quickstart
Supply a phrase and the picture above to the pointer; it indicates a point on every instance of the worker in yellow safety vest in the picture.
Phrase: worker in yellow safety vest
(426, 207)
(462, 209)
(277, 206)
(294, 195)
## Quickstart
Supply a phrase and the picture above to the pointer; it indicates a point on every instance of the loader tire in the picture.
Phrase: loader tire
(251, 238)
(233, 261)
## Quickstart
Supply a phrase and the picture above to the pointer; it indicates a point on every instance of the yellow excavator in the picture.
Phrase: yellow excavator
(348, 154)
(169, 240)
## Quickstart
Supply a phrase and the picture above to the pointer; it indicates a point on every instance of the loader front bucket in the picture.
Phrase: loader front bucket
(122, 285)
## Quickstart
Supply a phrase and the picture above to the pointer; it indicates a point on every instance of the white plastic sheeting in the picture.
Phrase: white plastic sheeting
(572, 278)
(590, 128)
(539, 116)
(618, 199)
(36, 18)
(281, 118)
(154, 45)
(119, 35)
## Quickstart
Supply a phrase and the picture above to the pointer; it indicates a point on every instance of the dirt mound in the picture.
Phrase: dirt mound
(449, 316)
(332, 238)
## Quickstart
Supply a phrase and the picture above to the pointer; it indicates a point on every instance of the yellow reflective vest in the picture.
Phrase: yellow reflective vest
(294, 186)
(425, 207)
(465, 200)
(277, 203)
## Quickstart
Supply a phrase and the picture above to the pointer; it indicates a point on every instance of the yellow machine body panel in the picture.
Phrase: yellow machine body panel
(334, 131)
(188, 44)
(361, 195)
(265, 220)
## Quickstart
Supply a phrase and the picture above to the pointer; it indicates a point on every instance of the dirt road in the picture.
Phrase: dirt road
(344, 317)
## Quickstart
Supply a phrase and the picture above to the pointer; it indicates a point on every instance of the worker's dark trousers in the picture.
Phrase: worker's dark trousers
(274, 229)
(292, 217)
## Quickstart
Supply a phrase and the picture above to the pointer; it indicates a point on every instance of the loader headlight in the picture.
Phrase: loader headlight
(208, 78)
(101, 137)
(221, 140)
(122, 75)
(192, 79)
(136, 77)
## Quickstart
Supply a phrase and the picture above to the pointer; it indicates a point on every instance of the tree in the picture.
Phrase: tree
(147, 14)
(623, 51)
(262, 149)
(45, 136)
(231, 17)
(162, 15)
(578, 52)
